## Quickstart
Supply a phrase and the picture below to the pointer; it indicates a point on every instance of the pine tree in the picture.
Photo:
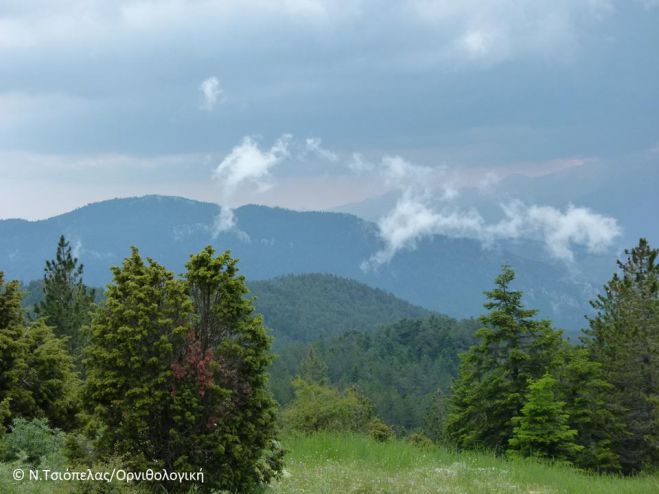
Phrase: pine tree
(489, 389)
(624, 338)
(541, 429)
(436, 416)
(66, 300)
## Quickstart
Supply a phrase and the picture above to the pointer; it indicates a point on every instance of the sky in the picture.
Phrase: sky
(313, 104)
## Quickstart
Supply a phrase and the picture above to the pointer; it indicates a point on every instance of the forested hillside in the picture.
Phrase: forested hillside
(303, 308)
(400, 367)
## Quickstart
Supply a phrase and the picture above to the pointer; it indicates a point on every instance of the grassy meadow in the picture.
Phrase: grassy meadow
(330, 463)
(351, 463)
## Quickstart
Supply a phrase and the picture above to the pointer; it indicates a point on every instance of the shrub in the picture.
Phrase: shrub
(319, 407)
(31, 441)
(420, 440)
(380, 431)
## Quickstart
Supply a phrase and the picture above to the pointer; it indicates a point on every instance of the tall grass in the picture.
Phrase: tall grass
(329, 463)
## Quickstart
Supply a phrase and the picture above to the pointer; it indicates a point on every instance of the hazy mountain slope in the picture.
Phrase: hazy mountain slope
(307, 307)
(448, 275)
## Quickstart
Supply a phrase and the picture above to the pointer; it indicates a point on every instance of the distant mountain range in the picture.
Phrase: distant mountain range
(443, 274)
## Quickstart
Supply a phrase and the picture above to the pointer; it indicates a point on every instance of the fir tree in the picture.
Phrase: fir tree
(541, 429)
(313, 368)
(66, 300)
(624, 338)
(586, 393)
(493, 376)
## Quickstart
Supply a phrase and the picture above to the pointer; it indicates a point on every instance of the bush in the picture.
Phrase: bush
(318, 407)
(420, 440)
(380, 431)
(32, 441)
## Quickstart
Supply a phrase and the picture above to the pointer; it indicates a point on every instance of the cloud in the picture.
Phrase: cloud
(412, 219)
(248, 164)
(211, 92)
(426, 206)
(576, 226)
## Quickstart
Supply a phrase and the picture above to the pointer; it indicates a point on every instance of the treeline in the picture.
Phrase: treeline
(401, 368)
(521, 389)
(167, 373)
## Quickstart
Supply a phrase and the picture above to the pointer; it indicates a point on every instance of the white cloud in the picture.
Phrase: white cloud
(225, 221)
(248, 164)
(212, 92)
(426, 207)
(413, 219)
(578, 226)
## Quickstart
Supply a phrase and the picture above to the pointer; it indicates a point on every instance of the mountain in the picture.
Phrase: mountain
(306, 307)
(444, 274)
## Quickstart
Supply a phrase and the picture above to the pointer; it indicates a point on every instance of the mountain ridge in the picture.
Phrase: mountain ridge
(443, 274)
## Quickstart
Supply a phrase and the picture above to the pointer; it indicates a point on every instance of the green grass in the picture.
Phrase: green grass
(328, 463)
(331, 463)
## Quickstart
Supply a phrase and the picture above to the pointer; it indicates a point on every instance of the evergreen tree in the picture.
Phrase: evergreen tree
(177, 373)
(624, 338)
(11, 354)
(585, 392)
(36, 377)
(313, 368)
(133, 340)
(236, 414)
(541, 429)
(492, 380)
(435, 419)
(66, 300)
